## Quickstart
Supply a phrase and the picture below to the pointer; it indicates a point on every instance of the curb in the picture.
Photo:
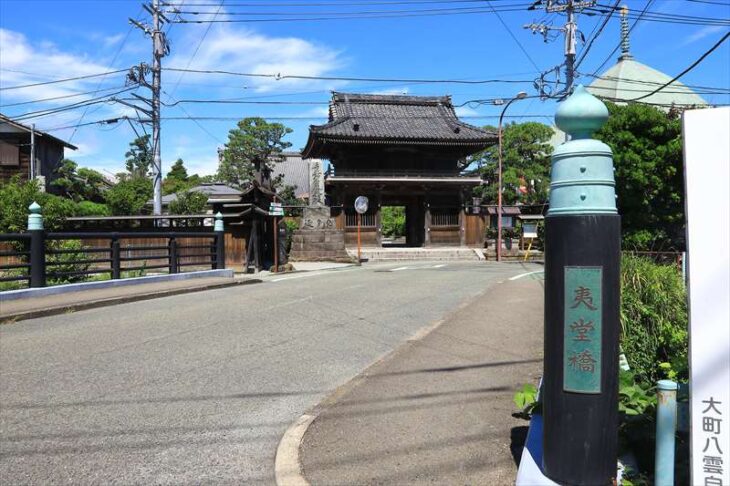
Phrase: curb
(287, 467)
(52, 311)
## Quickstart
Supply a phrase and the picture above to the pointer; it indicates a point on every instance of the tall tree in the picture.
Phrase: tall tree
(139, 156)
(647, 153)
(525, 164)
(254, 142)
(79, 183)
(177, 179)
(129, 196)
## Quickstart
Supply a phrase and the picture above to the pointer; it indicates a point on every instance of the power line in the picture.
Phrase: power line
(688, 69)
(593, 37)
(475, 10)
(73, 106)
(329, 4)
(509, 31)
(348, 78)
(631, 29)
(54, 98)
(64, 80)
(197, 48)
(114, 59)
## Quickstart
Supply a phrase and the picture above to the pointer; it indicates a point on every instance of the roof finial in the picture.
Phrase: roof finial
(625, 54)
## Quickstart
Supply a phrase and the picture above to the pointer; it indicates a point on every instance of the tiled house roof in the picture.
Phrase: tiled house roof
(295, 171)
(410, 120)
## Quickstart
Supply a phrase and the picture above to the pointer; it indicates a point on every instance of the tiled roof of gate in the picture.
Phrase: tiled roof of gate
(369, 118)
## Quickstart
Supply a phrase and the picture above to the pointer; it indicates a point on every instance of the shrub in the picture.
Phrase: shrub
(653, 318)
(129, 196)
(66, 262)
(88, 208)
(16, 196)
(189, 202)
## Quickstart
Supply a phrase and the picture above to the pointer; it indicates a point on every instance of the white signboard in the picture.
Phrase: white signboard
(707, 178)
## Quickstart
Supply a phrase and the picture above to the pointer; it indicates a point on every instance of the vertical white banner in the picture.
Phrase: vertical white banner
(706, 136)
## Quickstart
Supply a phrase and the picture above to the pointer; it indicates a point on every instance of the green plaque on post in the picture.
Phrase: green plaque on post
(582, 330)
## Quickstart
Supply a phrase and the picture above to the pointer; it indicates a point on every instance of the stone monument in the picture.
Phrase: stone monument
(318, 238)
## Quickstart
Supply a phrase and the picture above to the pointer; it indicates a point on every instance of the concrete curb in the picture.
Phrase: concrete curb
(105, 284)
(52, 311)
(287, 467)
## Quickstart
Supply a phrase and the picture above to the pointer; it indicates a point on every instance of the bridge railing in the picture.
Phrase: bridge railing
(39, 257)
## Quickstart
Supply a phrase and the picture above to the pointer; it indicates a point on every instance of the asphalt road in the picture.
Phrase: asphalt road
(199, 388)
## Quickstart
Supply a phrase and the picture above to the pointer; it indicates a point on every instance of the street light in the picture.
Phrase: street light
(521, 95)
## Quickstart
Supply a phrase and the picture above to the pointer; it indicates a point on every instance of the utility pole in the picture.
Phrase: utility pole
(160, 48)
(570, 31)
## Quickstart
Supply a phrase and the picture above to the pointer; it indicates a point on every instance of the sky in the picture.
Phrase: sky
(45, 40)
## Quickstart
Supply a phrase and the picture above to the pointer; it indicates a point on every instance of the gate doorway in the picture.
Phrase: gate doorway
(393, 226)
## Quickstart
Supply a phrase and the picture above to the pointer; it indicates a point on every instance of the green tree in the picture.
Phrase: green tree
(129, 196)
(525, 164)
(254, 142)
(647, 154)
(79, 183)
(393, 221)
(16, 196)
(139, 156)
(189, 202)
(178, 180)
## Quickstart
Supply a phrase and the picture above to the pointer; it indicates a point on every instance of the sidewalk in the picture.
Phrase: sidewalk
(438, 410)
(58, 304)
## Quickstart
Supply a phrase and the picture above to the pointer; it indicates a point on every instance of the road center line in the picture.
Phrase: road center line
(399, 269)
(439, 266)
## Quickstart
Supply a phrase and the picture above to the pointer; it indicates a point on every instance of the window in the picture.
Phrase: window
(9, 154)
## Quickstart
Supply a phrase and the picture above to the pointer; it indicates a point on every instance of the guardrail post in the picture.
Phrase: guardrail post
(666, 426)
(220, 242)
(116, 258)
(37, 246)
(172, 255)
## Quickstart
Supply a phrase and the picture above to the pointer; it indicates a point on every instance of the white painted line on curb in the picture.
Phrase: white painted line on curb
(399, 269)
(287, 468)
(525, 274)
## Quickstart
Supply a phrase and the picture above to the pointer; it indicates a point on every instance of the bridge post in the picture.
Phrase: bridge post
(220, 242)
(582, 260)
(37, 246)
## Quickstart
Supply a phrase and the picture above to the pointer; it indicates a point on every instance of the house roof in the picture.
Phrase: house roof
(295, 171)
(216, 191)
(411, 120)
(38, 133)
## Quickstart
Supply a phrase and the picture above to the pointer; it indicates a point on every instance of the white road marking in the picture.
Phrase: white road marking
(525, 274)
(439, 266)
(399, 269)
(303, 275)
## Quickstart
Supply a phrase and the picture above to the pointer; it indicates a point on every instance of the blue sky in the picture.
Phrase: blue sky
(46, 40)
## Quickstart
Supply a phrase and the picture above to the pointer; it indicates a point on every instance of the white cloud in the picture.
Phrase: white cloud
(243, 50)
(24, 63)
(465, 111)
(700, 34)
(402, 90)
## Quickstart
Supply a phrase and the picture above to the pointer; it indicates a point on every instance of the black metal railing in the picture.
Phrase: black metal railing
(39, 256)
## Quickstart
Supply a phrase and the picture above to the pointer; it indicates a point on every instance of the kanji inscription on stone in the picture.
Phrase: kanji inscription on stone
(582, 330)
